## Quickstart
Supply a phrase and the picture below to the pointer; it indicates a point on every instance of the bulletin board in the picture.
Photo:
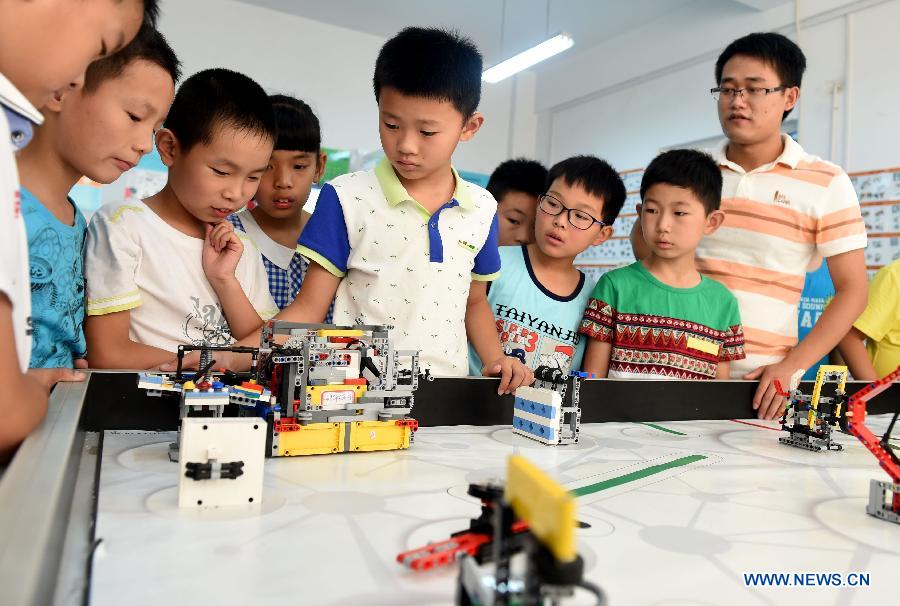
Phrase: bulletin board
(879, 199)
(616, 251)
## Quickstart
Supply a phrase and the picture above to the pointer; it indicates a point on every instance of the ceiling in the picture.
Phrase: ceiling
(502, 28)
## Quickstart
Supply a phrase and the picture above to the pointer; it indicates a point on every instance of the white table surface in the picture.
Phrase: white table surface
(330, 526)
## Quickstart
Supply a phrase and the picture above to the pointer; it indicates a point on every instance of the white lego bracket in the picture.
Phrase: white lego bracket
(224, 457)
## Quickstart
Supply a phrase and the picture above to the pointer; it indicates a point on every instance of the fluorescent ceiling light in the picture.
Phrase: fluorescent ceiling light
(527, 58)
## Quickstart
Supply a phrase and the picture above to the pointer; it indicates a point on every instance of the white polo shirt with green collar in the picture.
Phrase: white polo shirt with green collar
(401, 265)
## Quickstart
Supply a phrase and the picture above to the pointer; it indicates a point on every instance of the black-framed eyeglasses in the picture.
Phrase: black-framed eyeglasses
(752, 92)
(577, 218)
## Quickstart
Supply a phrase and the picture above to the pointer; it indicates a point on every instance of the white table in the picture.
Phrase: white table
(330, 527)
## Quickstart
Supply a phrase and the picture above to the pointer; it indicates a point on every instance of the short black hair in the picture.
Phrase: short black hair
(431, 63)
(219, 97)
(776, 50)
(297, 125)
(690, 169)
(519, 174)
(596, 177)
(151, 12)
(149, 45)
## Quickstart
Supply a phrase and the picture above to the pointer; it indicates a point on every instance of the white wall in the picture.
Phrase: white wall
(648, 89)
(624, 99)
(330, 68)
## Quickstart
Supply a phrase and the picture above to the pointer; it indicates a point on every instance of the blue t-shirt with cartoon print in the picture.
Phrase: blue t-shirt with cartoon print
(535, 325)
(55, 255)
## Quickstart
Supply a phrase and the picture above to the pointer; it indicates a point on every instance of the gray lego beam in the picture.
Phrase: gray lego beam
(36, 495)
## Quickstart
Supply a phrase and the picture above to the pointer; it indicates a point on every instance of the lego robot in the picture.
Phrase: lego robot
(884, 497)
(532, 517)
(311, 389)
(810, 419)
(541, 413)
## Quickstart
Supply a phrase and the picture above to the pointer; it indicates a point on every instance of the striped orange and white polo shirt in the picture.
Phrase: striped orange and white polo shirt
(777, 216)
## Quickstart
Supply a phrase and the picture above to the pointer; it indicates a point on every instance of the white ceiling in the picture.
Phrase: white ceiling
(526, 22)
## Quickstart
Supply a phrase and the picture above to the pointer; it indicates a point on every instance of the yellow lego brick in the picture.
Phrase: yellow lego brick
(315, 438)
(317, 392)
(337, 332)
(547, 508)
(366, 436)
(817, 388)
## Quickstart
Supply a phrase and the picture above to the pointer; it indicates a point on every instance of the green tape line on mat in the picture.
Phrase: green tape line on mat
(661, 428)
(635, 475)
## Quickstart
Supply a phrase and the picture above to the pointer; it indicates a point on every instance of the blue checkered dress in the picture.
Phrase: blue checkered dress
(283, 284)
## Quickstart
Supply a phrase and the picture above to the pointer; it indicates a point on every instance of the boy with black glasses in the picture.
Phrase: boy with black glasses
(540, 297)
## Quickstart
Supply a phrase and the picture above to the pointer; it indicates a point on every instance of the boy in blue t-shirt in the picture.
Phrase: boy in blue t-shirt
(99, 131)
(540, 297)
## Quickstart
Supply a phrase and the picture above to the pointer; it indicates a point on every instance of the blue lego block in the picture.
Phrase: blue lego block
(149, 378)
(536, 408)
(543, 432)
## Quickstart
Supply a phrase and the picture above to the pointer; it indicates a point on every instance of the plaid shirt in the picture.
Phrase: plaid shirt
(284, 284)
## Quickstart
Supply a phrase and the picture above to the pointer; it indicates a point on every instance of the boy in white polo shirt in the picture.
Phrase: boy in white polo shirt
(781, 207)
(410, 244)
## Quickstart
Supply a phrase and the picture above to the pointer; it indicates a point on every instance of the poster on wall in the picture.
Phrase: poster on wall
(879, 199)
(616, 251)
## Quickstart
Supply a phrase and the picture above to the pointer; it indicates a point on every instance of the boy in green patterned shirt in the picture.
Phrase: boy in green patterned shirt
(660, 318)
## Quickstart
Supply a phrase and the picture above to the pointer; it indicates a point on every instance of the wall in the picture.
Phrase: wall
(657, 95)
(330, 68)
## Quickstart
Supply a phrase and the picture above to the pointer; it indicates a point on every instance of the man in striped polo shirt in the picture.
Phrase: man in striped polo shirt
(782, 206)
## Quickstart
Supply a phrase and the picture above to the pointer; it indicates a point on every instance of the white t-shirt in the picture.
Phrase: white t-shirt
(15, 281)
(136, 261)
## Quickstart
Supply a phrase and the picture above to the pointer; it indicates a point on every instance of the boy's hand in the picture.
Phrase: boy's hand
(224, 359)
(222, 249)
(513, 374)
(48, 377)
(768, 404)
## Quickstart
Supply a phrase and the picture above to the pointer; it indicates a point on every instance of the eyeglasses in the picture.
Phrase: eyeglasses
(577, 218)
(753, 93)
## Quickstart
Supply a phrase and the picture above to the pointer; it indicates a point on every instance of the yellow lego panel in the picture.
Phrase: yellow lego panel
(315, 438)
(547, 508)
(817, 388)
(336, 332)
(333, 395)
(377, 435)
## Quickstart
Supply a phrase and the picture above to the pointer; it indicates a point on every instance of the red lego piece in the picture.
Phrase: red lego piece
(780, 390)
(252, 386)
(411, 423)
(355, 382)
(448, 551)
(856, 416)
(442, 552)
(284, 425)
(343, 339)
